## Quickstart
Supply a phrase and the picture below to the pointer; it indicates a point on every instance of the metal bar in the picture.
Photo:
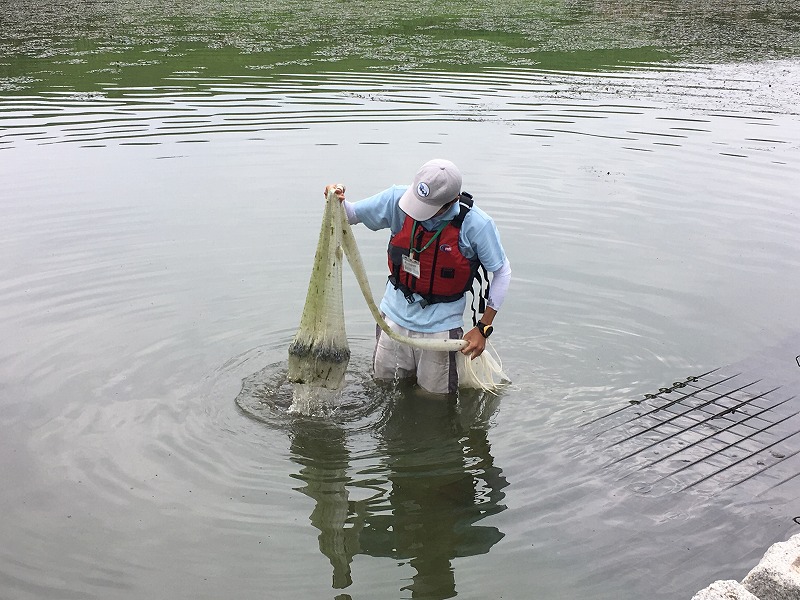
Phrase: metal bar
(728, 447)
(730, 410)
(722, 415)
(640, 450)
(728, 428)
(619, 410)
(671, 403)
(659, 424)
(734, 408)
(780, 460)
(788, 479)
(741, 460)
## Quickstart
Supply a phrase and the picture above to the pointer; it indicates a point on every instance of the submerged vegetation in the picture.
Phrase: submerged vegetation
(91, 45)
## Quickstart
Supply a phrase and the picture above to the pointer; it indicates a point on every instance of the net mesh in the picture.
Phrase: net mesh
(319, 352)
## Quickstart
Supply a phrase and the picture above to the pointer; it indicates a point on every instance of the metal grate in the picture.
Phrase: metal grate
(719, 428)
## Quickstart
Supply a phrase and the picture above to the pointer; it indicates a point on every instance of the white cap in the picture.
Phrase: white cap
(436, 183)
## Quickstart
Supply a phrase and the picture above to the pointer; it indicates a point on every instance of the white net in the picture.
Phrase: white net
(319, 353)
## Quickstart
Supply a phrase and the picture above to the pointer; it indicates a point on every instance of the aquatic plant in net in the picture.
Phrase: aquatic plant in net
(319, 352)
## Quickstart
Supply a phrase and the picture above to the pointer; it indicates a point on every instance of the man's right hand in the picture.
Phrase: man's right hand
(339, 187)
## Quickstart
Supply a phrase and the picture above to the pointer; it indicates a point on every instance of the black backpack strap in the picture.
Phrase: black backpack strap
(481, 276)
(465, 203)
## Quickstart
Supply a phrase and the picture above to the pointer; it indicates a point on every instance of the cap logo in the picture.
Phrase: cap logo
(423, 189)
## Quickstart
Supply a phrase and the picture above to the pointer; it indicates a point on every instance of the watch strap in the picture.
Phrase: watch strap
(486, 330)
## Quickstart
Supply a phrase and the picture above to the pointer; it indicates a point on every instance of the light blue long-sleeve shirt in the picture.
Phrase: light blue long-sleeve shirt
(478, 237)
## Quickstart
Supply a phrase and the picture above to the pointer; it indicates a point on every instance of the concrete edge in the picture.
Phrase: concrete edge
(775, 577)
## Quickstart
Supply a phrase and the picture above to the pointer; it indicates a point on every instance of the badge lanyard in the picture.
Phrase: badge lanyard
(410, 264)
(412, 251)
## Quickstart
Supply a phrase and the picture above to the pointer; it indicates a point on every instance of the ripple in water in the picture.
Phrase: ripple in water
(363, 404)
(268, 396)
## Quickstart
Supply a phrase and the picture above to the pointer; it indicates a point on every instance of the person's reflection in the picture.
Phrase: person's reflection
(440, 481)
(321, 449)
(443, 481)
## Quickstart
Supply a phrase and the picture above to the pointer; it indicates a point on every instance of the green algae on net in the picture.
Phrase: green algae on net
(319, 353)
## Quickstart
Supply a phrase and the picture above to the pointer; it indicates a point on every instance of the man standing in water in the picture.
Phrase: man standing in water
(439, 240)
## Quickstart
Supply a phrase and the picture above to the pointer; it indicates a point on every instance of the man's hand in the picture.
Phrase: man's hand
(476, 343)
(339, 187)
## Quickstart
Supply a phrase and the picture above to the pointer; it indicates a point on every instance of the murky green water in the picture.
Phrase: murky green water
(99, 45)
(161, 170)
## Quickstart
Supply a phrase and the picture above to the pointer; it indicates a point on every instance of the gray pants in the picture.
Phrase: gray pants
(435, 371)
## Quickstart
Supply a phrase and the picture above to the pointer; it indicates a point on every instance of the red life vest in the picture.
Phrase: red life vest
(445, 273)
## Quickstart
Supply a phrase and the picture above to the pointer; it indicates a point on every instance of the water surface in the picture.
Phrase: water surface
(161, 176)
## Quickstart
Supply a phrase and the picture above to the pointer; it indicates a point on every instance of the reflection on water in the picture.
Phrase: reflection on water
(421, 504)
(322, 452)
(530, 103)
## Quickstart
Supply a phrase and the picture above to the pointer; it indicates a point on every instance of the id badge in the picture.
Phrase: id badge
(411, 266)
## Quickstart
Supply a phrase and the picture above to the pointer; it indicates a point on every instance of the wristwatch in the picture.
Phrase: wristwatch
(486, 330)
